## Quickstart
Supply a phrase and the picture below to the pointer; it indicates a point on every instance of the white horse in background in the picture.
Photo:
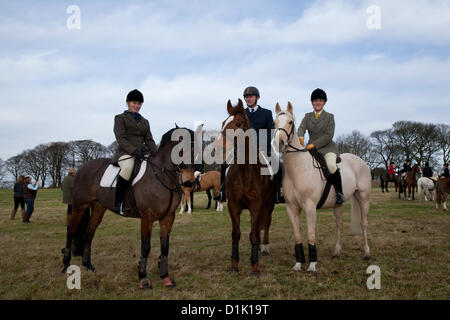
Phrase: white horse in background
(427, 184)
(303, 187)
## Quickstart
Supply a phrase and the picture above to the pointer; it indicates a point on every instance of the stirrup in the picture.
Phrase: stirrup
(121, 209)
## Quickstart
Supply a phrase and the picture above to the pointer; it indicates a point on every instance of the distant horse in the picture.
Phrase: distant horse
(205, 181)
(385, 178)
(401, 186)
(410, 180)
(246, 188)
(303, 187)
(156, 196)
(442, 191)
(426, 184)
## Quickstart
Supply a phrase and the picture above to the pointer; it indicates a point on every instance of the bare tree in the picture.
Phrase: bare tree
(57, 161)
(427, 142)
(359, 145)
(384, 144)
(444, 141)
(82, 151)
(112, 148)
(2, 171)
(35, 162)
(14, 165)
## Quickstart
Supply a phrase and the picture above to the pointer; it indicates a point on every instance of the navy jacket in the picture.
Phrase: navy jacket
(427, 172)
(261, 119)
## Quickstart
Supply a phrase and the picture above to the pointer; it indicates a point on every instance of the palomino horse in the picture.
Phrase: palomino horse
(205, 181)
(427, 184)
(410, 181)
(442, 191)
(157, 195)
(385, 178)
(246, 188)
(303, 186)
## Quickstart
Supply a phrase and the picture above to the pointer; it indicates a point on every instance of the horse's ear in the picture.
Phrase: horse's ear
(229, 107)
(176, 126)
(240, 106)
(277, 108)
(290, 108)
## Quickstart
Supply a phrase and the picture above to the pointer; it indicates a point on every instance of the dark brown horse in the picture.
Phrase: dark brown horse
(246, 188)
(156, 196)
(410, 181)
(442, 191)
(385, 178)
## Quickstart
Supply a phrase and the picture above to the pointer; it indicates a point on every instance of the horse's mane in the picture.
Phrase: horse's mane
(166, 138)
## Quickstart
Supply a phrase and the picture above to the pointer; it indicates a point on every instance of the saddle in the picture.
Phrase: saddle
(109, 178)
(322, 166)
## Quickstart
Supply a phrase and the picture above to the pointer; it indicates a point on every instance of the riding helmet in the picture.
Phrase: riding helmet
(251, 91)
(318, 94)
(135, 95)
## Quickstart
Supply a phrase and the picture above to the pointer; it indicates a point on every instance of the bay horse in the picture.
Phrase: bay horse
(303, 186)
(427, 184)
(442, 191)
(156, 196)
(410, 181)
(385, 178)
(246, 188)
(203, 181)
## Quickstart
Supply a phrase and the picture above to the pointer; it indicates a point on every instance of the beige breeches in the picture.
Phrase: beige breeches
(330, 159)
(126, 166)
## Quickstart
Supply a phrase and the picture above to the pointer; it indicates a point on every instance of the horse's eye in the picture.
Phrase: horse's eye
(290, 122)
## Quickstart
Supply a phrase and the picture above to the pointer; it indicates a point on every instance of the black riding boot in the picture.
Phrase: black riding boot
(278, 179)
(221, 196)
(119, 205)
(337, 183)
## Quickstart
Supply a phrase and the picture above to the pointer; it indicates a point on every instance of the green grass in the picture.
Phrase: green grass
(409, 241)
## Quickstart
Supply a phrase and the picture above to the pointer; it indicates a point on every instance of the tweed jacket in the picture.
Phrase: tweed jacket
(321, 131)
(132, 135)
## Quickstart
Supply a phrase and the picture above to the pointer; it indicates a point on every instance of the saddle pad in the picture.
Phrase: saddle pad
(109, 177)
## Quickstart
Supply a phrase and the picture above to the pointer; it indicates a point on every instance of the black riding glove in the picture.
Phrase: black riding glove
(139, 154)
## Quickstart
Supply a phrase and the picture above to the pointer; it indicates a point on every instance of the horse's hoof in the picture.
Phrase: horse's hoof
(63, 250)
(255, 274)
(367, 258)
(64, 269)
(168, 283)
(233, 270)
(88, 266)
(145, 284)
(336, 256)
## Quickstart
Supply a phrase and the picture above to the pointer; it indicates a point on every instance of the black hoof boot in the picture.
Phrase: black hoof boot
(88, 266)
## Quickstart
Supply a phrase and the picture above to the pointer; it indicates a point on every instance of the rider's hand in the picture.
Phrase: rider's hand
(139, 154)
(302, 141)
(309, 146)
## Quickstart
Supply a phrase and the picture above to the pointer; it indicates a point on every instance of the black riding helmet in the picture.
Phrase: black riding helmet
(318, 94)
(251, 91)
(135, 95)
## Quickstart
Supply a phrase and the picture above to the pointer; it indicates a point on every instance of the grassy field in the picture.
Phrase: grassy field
(409, 241)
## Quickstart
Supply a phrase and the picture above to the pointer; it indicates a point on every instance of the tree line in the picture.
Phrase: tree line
(417, 141)
(49, 162)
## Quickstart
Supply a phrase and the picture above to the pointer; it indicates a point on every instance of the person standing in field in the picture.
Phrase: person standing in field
(66, 187)
(29, 194)
(18, 197)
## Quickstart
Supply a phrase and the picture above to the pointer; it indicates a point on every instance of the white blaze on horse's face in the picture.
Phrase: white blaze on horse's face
(284, 120)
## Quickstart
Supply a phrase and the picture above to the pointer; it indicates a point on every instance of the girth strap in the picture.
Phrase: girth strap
(325, 193)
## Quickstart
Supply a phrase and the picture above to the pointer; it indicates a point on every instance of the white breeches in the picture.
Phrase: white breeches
(126, 166)
(330, 159)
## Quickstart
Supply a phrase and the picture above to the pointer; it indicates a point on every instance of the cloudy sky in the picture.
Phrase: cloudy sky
(189, 57)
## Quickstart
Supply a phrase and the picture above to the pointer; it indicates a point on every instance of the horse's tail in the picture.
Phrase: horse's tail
(438, 196)
(355, 218)
(80, 236)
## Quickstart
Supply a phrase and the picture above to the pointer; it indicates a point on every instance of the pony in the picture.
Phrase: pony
(410, 181)
(427, 184)
(246, 188)
(205, 181)
(154, 197)
(442, 191)
(303, 186)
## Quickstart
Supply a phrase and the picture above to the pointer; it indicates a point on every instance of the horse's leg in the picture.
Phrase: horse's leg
(363, 198)
(97, 215)
(77, 214)
(311, 218)
(265, 246)
(208, 193)
(294, 216)
(165, 227)
(234, 210)
(188, 199)
(183, 198)
(444, 201)
(257, 217)
(413, 189)
(339, 228)
(146, 233)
